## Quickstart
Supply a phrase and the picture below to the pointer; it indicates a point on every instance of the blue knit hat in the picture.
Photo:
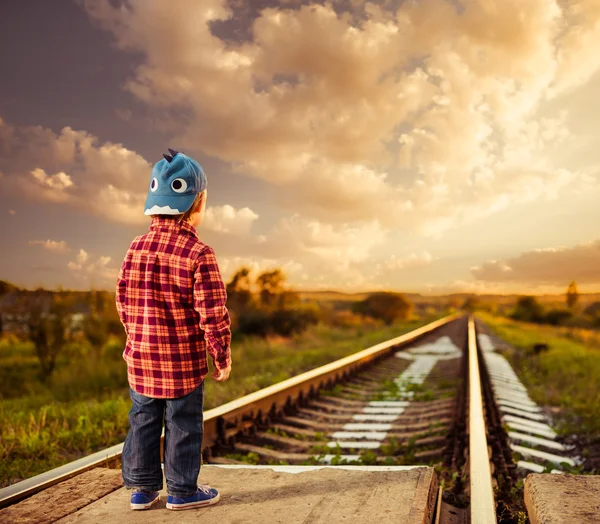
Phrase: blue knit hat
(174, 184)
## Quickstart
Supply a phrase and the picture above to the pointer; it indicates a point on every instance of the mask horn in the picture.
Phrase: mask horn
(168, 158)
(173, 152)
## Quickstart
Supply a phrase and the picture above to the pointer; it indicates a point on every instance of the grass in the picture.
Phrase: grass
(566, 376)
(84, 408)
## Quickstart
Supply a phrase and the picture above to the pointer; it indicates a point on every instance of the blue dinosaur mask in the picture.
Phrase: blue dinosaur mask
(174, 184)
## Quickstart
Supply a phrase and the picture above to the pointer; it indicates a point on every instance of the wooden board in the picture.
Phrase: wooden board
(289, 495)
(562, 499)
(65, 498)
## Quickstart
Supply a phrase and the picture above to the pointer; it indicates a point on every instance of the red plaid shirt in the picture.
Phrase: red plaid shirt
(171, 300)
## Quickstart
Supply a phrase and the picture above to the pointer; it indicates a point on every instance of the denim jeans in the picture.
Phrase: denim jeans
(183, 423)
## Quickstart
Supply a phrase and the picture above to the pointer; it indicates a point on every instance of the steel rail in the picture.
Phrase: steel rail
(483, 507)
(224, 422)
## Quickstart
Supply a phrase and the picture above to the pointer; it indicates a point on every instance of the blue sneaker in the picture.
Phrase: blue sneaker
(143, 499)
(205, 496)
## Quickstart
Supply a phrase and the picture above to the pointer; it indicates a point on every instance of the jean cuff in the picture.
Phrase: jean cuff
(149, 489)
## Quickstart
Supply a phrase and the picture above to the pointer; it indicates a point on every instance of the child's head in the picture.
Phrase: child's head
(177, 188)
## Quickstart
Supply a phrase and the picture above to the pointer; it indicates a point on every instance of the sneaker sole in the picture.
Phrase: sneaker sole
(138, 507)
(191, 505)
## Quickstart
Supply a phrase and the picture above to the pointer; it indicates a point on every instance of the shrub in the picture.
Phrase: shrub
(528, 310)
(557, 317)
(113, 349)
(286, 322)
(348, 319)
(254, 322)
(385, 306)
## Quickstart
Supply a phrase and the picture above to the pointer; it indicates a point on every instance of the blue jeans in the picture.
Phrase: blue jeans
(182, 446)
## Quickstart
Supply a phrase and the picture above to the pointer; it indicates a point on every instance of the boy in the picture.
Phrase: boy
(171, 301)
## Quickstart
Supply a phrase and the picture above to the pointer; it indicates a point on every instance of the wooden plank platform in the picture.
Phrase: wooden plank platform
(562, 499)
(266, 494)
(64, 498)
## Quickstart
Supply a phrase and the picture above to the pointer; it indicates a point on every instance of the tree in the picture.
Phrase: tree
(6, 287)
(48, 331)
(572, 295)
(270, 284)
(385, 306)
(471, 303)
(239, 294)
(95, 324)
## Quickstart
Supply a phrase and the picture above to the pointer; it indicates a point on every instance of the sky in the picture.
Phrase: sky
(428, 146)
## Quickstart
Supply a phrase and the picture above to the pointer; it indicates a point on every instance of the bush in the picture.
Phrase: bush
(348, 319)
(287, 322)
(254, 322)
(388, 307)
(558, 317)
(528, 310)
(113, 349)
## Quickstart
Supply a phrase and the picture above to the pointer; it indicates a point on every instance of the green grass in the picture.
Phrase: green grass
(566, 376)
(84, 407)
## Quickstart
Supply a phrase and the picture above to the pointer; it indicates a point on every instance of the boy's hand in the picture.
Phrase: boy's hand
(222, 374)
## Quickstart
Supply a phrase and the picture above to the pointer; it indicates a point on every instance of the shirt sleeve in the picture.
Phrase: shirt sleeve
(210, 297)
(121, 293)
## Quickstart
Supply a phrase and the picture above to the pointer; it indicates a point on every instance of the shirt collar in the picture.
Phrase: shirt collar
(170, 224)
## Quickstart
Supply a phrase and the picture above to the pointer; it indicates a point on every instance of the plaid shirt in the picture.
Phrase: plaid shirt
(171, 300)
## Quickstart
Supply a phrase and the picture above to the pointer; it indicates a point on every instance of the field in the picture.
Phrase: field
(566, 376)
(85, 407)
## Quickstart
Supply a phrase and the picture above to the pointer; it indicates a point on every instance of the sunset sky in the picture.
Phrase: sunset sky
(427, 146)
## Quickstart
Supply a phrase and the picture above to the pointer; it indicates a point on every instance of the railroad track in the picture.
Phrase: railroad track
(428, 397)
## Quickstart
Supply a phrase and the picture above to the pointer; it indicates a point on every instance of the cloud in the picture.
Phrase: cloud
(106, 180)
(93, 270)
(412, 260)
(51, 245)
(74, 169)
(227, 219)
(312, 253)
(336, 245)
(124, 114)
(421, 116)
(577, 58)
(550, 266)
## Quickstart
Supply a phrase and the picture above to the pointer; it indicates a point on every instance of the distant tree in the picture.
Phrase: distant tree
(593, 312)
(471, 303)
(6, 287)
(385, 306)
(95, 326)
(270, 285)
(48, 331)
(528, 309)
(288, 299)
(454, 303)
(572, 295)
(239, 293)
